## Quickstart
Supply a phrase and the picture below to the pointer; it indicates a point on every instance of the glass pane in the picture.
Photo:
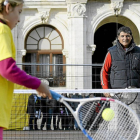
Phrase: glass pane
(53, 35)
(31, 47)
(44, 69)
(59, 78)
(44, 44)
(31, 41)
(44, 38)
(30, 58)
(48, 31)
(33, 67)
(57, 41)
(40, 31)
(56, 47)
(57, 59)
(34, 35)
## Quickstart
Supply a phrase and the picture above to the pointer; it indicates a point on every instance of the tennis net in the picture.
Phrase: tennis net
(33, 117)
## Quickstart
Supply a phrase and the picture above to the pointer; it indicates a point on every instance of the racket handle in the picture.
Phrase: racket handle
(55, 95)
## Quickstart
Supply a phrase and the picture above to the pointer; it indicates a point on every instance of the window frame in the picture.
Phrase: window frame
(48, 52)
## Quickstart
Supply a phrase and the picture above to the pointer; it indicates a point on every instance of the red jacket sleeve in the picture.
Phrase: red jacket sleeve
(105, 71)
(10, 71)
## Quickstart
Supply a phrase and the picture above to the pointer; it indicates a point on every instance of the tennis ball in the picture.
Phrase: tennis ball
(108, 114)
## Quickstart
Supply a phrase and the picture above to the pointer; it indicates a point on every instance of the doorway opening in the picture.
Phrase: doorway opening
(103, 39)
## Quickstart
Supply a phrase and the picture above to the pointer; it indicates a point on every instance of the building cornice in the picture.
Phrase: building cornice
(44, 4)
(76, 1)
(51, 4)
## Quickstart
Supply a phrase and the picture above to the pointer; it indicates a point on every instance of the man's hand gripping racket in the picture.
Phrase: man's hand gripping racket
(98, 123)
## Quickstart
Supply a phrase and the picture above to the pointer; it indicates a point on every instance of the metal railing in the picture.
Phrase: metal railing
(56, 74)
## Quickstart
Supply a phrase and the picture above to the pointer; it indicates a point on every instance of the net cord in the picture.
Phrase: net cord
(83, 91)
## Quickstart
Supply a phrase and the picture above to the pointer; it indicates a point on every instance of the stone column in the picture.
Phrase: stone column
(88, 69)
(77, 42)
(20, 54)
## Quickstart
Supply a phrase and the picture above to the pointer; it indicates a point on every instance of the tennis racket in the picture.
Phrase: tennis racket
(124, 126)
(125, 97)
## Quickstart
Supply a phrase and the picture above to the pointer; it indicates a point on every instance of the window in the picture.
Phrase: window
(44, 46)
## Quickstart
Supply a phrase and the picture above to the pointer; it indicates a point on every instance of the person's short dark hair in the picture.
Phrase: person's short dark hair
(125, 30)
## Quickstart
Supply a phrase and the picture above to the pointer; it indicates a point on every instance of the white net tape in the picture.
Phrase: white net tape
(83, 90)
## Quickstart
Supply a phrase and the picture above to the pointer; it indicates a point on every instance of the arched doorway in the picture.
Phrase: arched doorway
(103, 39)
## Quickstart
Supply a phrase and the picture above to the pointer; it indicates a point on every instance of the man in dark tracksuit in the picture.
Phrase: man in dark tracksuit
(48, 108)
(64, 115)
(122, 62)
(34, 110)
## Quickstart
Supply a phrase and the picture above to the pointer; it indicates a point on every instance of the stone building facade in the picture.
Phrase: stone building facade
(74, 31)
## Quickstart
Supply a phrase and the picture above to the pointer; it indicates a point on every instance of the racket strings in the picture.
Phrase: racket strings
(122, 127)
(98, 115)
(120, 124)
(87, 112)
(91, 120)
(124, 123)
(108, 134)
(128, 124)
(90, 111)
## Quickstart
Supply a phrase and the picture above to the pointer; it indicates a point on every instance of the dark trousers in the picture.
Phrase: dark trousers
(47, 117)
(31, 123)
(44, 119)
(65, 121)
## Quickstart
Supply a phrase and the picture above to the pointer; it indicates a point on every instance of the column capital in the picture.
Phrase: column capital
(91, 48)
(21, 53)
(65, 52)
(76, 10)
